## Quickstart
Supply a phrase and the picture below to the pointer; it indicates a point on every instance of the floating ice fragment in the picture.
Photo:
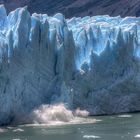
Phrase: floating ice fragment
(125, 116)
(18, 130)
(91, 137)
(137, 136)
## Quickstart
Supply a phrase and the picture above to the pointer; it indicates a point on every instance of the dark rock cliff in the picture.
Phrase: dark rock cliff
(72, 8)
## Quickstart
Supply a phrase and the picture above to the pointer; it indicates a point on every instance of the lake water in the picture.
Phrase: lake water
(123, 127)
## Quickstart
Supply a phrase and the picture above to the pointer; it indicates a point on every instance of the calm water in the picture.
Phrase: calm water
(125, 127)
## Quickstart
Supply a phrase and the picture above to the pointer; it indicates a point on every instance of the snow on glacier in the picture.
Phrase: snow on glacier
(91, 63)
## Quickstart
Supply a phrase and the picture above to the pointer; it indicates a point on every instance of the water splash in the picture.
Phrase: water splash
(81, 113)
(59, 114)
(52, 113)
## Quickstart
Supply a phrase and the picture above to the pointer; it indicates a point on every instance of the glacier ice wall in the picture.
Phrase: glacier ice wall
(91, 63)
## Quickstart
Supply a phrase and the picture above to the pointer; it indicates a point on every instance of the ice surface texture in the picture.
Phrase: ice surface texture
(91, 63)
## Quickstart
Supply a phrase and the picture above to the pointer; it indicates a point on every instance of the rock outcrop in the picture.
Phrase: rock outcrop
(78, 8)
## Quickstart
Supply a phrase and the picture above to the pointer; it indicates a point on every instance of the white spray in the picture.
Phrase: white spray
(58, 114)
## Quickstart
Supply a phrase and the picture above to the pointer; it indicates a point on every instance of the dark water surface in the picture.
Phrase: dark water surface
(123, 127)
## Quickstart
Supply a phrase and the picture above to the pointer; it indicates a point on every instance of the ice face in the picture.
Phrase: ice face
(91, 63)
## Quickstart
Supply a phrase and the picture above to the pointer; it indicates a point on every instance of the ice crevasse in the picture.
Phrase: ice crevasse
(92, 63)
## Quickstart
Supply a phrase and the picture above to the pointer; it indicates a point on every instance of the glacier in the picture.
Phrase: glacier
(91, 63)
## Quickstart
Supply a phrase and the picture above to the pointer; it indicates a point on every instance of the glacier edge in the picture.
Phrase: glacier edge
(91, 63)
